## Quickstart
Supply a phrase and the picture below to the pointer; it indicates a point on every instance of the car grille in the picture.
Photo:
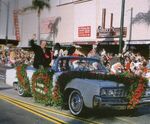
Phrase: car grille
(147, 92)
(116, 92)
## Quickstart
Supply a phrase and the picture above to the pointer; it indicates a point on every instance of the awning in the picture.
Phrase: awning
(10, 41)
(114, 42)
(84, 42)
(136, 42)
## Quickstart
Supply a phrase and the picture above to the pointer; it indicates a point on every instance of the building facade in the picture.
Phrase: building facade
(7, 30)
(84, 22)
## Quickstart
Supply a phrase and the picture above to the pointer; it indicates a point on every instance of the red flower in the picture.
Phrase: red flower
(45, 90)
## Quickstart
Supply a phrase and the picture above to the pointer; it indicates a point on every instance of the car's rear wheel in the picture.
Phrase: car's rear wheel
(76, 104)
(21, 91)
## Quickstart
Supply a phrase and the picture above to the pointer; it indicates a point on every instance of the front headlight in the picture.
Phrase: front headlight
(107, 92)
(147, 92)
(112, 92)
(103, 92)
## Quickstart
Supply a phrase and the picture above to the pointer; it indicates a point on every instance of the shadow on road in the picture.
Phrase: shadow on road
(109, 113)
(5, 88)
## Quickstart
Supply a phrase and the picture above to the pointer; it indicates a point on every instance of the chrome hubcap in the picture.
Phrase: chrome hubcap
(76, 102)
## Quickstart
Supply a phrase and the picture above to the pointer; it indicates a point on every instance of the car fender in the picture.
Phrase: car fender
(11, 76)
(87, 87)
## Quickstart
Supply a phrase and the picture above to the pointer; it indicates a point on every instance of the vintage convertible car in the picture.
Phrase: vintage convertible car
(91, 93)
(62, 64)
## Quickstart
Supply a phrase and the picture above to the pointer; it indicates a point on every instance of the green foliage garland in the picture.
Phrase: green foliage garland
(44, 92)
(23, 79)
(42, 86)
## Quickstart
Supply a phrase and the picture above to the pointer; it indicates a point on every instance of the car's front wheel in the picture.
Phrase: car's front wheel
(21, 91)
(75, 102)
(15, 85)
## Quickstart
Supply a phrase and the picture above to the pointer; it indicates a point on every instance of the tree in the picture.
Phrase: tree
(38, 5)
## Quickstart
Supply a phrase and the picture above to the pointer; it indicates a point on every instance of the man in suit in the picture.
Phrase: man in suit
(42, 55)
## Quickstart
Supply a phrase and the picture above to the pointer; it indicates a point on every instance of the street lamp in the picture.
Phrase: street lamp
(130, 35)
(121, 26)
(7, 22)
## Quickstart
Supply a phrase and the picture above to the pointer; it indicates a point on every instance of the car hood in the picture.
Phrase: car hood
(103, 83)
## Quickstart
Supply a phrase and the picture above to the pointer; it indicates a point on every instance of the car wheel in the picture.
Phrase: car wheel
(20, 91)
(76, 104)
(15, 85)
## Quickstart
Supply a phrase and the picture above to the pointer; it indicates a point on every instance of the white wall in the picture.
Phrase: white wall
(65, 27)
(85, 15)
(64, 1)
(140, 31)
(3, 18)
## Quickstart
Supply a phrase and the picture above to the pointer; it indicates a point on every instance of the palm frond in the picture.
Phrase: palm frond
(41, 3)
(142, 18)
(38, 5)
(29, 8)
(55, 25)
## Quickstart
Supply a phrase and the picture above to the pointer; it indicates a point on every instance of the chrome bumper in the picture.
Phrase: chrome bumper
(116, 103)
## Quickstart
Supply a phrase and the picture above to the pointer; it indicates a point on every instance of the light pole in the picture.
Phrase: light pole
(130, 35)
(121, 26)
(7, 21)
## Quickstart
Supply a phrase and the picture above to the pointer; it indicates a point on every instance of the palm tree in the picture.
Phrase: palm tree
(38, 5)
(142, 18)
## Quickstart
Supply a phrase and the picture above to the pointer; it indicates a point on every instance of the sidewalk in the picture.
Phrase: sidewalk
(3, 69)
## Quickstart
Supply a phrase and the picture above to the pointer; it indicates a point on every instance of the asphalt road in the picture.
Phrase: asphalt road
(10, 114)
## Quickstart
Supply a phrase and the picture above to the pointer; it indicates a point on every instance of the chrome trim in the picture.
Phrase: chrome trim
(119, 91)
(120, 105)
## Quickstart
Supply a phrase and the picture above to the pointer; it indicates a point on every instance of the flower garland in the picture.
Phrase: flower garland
(137, 94)
(48, 88)
(135, 86)
(57, 97)
(41, 86)
(23, 79)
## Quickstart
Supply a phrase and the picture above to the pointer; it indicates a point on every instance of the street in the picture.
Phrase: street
(11, 114)
(16, 109)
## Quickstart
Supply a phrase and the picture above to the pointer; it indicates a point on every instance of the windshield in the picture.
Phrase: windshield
(80, 64)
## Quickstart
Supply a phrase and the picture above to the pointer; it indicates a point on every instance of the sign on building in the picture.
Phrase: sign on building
(110, 32)
(84, 31)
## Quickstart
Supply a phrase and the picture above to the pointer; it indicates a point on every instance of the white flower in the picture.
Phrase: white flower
(55, 78)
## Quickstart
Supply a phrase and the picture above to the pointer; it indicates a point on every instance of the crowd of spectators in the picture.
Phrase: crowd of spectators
(133, 63)
(16, 56)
